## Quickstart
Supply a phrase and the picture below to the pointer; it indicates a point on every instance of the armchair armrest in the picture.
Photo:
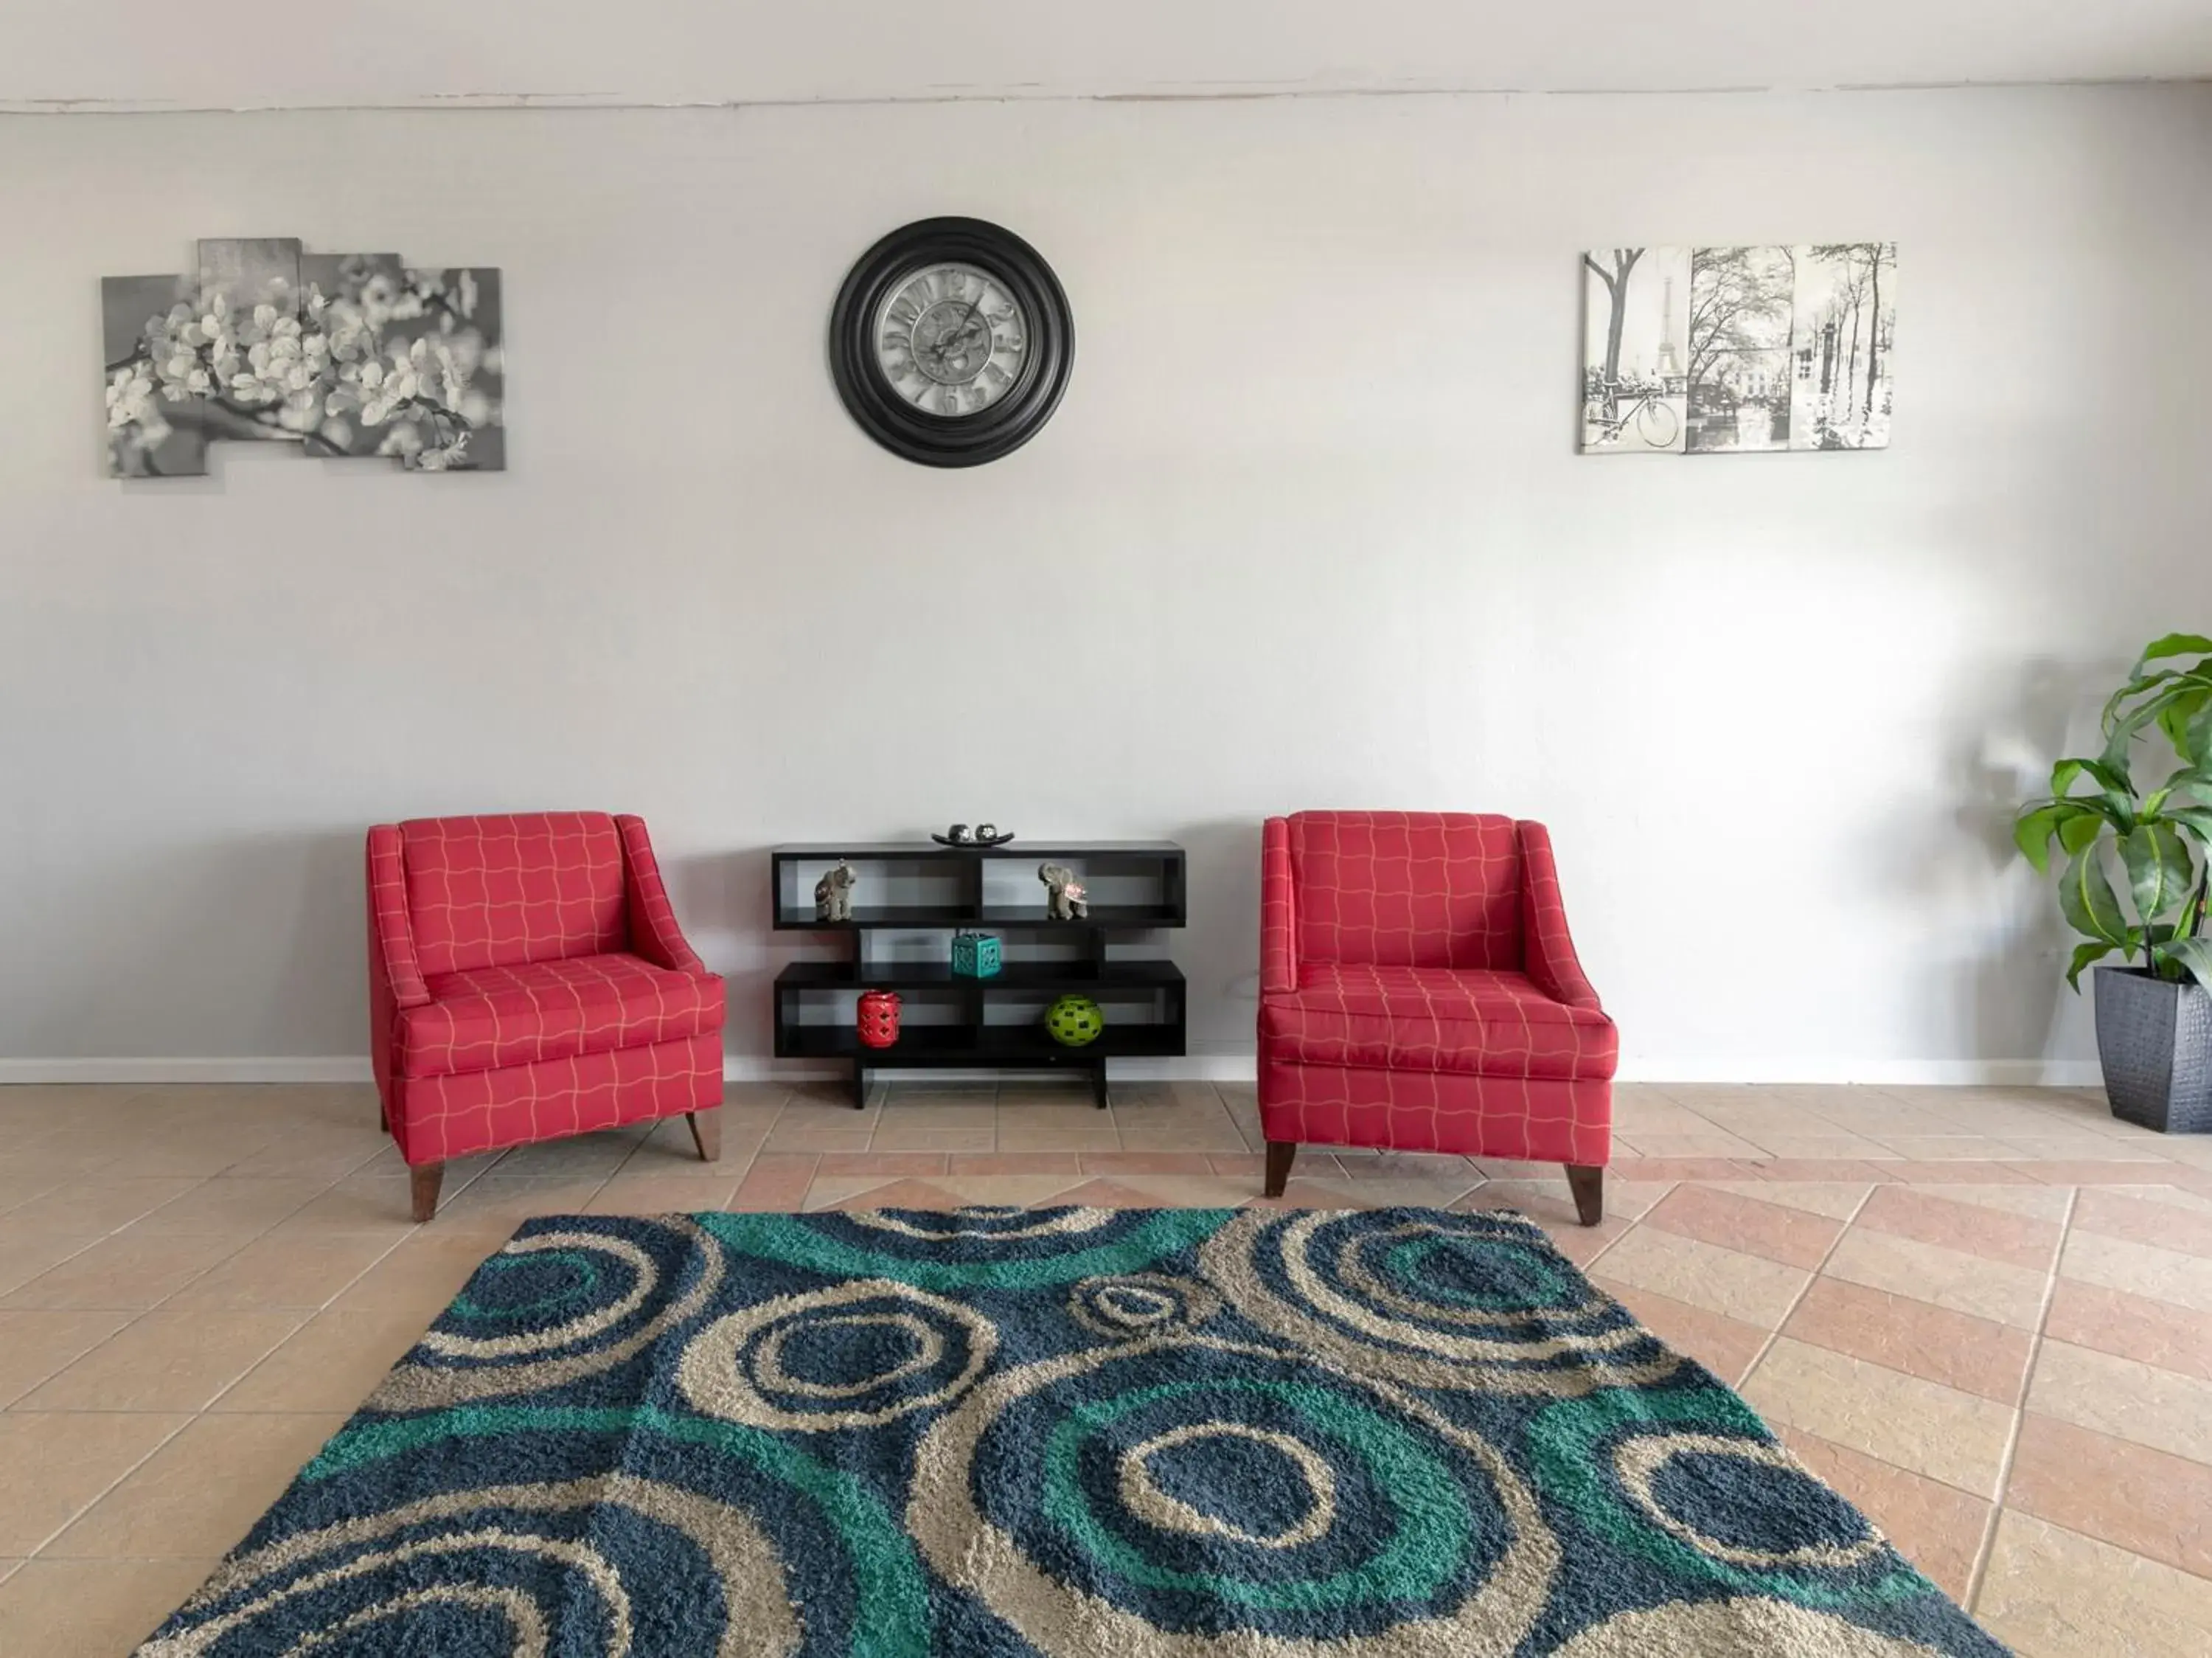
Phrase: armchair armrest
(1279, 958)
(1548, 949)
(653, 933)
(391, 935)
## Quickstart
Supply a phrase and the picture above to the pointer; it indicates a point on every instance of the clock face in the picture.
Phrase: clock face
(950, 339)
(950, 342)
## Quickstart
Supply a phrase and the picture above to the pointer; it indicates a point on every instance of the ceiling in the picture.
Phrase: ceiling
(139, 54)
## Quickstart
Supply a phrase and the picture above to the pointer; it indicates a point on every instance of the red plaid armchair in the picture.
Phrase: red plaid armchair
(1418, 991)
(526, 980)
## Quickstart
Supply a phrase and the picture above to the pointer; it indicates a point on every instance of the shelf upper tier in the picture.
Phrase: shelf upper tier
(1016, 848)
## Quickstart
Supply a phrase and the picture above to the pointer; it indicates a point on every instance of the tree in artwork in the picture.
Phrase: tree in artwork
(1773, 347)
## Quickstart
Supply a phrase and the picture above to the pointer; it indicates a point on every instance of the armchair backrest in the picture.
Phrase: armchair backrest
(492, 891)
(1407, 889)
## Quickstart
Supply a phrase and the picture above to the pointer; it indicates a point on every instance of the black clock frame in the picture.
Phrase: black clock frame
(938, 439)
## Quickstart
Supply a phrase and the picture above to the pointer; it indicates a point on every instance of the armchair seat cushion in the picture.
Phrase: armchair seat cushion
(528, 1012)
(1463, 1021)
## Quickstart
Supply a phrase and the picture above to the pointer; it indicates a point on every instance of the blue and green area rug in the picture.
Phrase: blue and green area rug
(1112, 1433)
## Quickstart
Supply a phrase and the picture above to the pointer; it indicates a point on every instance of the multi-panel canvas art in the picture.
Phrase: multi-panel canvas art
(344, 354)
(1704, 350)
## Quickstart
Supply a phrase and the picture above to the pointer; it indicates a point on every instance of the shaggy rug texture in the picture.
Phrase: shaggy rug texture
(1112, 1433)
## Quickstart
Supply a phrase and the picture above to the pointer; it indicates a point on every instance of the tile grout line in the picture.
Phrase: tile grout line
(1606, 1248)
(140, 1314)
(1812, 1278)
(1987, 1548)
(238, 1381)
(152, 1451)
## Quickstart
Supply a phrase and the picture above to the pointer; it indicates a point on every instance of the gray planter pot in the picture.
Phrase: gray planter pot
(2155, 1040)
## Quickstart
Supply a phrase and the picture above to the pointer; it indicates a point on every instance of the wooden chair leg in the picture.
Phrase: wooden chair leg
(424, 1178)
(1589, 1187)
(707, 1133)
(1279, 1154)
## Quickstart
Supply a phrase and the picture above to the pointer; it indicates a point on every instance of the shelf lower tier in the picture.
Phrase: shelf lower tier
(967, 1045)
(924, 917)
(1032, 978)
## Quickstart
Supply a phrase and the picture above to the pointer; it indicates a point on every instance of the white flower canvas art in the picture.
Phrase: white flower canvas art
(355, 354)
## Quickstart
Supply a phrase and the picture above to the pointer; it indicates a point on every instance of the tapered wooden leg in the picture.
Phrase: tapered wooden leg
(1279, 1154)
(1589, 1187)
(707, 1133)
(425, 1179)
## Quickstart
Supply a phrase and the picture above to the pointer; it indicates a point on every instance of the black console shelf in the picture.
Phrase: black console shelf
(920, 889)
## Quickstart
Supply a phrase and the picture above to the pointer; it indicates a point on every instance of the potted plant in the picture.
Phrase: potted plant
(2155, 1015)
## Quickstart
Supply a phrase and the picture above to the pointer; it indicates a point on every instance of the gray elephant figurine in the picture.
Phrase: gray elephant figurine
(833, 894)
(1064, 899)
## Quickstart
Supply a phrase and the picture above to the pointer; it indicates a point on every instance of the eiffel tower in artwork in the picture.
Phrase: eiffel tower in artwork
(1670, 355)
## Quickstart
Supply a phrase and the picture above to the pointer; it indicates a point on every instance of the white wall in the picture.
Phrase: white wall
(1307, 530)
(71, 56)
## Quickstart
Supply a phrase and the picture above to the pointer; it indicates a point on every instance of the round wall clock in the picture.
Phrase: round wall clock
(950, 342)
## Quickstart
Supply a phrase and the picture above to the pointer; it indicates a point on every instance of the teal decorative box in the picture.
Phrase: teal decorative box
(976, 955)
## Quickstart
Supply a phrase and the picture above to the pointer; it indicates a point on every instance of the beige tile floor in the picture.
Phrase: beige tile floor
(1986, 1315)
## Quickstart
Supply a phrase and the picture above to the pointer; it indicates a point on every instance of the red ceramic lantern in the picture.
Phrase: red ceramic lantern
(879, 1018)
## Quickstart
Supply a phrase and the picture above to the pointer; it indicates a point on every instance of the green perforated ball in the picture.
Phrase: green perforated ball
(1074, 1021)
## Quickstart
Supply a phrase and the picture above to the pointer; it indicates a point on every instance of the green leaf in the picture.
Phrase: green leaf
(2063, 775)
(2083, 830)
(2198, 819)
(2134, 687)
(2033, 833)
(2173, 701)
(2193, 740)
(2174, 644)
(2092, 907)
(2159, 869)
(2117, 790)
(2086, 956)
(2196, 956)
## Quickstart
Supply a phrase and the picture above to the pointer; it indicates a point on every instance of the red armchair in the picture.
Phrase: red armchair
(526, 980)
(1418, 991)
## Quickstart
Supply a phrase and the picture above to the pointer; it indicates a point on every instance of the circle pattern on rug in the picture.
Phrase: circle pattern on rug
(1190, 1495)
(963, 1249)
(1689, 1481)
(1476, 1301)
(857, 1355)
(1125, 1304)
(1160, 1434)
(555, 1307)
(489, 1570)
(1741, 1628)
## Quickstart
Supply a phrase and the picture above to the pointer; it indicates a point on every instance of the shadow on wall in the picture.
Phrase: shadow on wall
(250, 946)
(2013, 941)
(722, 901)
(1220, 950)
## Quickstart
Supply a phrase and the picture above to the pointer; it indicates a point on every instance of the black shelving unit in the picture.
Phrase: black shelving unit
(926, 892)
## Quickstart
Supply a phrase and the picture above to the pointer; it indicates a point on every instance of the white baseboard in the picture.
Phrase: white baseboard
(276, 1068)
(1875, 1073)
(1212, 1067)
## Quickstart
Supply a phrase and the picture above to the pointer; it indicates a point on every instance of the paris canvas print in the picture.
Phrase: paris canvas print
(342, 354)
(1712, 350)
